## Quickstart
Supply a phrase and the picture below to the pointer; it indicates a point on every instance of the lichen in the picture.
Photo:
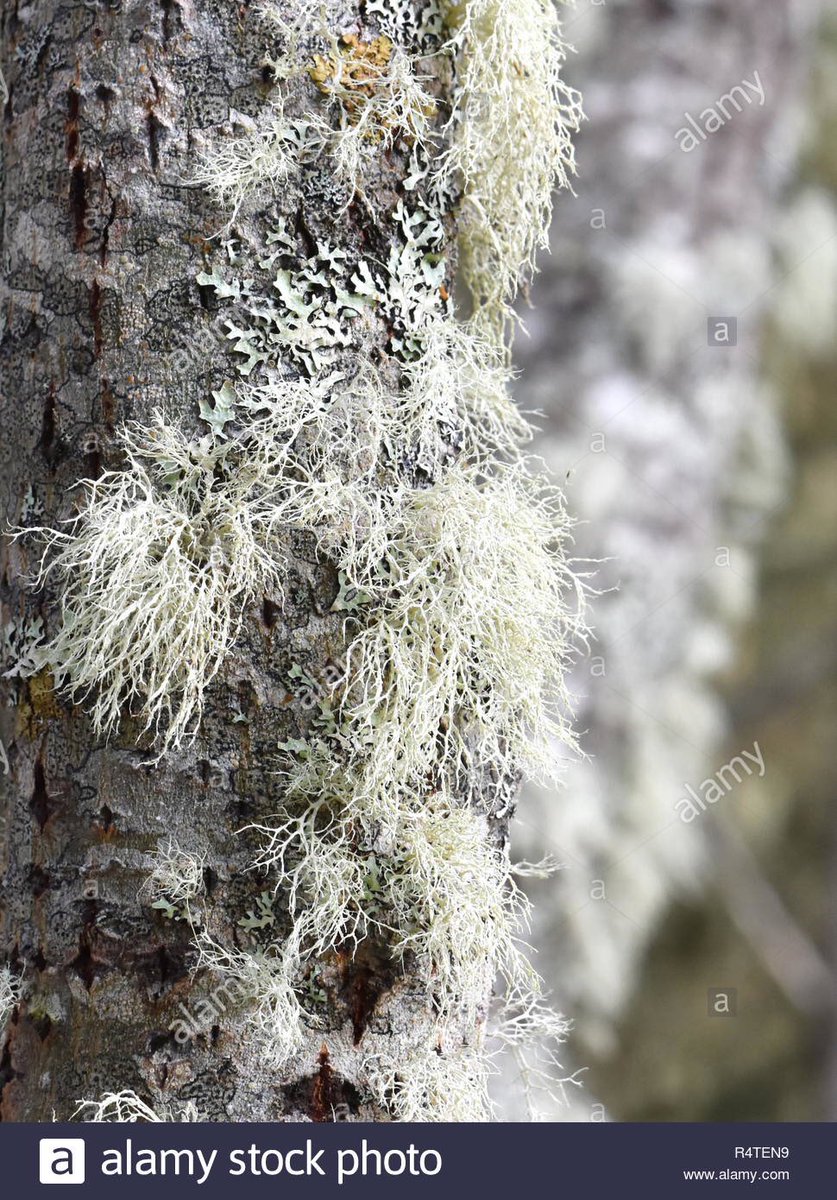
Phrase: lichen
(128, 1107)
(513, 122)
(271, 1015)
(155, 572)
(10, 993)
(376, 95)
(20, 644)
(429, 1086)
(176, 879)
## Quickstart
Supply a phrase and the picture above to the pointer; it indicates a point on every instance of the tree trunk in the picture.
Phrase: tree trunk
(102, 242)
(114, 314)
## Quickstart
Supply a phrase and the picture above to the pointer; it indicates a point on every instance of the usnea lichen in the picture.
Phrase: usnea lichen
(429, 1086)
(155, 572)
(406, 466)
(471, 631)
(514, 119)
(175, 881)
(272, 1013)
(10, 992)
(127, 1106)
(263, 159)
(531, 1032)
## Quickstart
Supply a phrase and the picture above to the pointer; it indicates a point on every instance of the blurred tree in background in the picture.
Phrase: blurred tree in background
(704, 476)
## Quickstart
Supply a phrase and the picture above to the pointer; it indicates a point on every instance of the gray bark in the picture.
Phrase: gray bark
(103, 322)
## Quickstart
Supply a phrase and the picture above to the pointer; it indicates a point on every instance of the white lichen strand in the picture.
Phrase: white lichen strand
(271, 1013)
(455, 908)
(311, 855)
(155, 574)
(342, 886)
(127, 1107)
(465, 651)
(264, 157)
(429, 1086)
(512, 128)
(176, 879)
(10, 993)
(365, 117)
(531, 1031)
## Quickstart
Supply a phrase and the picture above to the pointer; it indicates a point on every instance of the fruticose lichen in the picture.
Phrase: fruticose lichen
(514, 117)
(127, 1106)
(175, 881)
(407, 468)
(155, 572)
(10, 992)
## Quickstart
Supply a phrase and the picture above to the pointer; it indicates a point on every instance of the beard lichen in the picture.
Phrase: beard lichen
(367, 413)
(514, 117)
(155, 572)
(10, 993)
(127, 1107)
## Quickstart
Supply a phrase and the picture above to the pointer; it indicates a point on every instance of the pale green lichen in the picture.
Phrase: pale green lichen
(312, 855)
(437, 894)
(290, 306)
(21, 645)
(511, 141)
(261, 917)
(444, 855)
(473, 616)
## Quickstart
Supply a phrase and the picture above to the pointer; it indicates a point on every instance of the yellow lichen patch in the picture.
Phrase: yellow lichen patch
(37, 704)
(355, 72)
(43, 704)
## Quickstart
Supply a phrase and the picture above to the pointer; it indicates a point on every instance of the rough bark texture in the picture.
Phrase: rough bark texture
(102, 322)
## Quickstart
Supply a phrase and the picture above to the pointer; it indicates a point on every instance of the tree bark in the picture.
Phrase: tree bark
(103, 322)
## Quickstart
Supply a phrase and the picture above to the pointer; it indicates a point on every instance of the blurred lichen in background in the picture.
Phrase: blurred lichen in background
(682, 353)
